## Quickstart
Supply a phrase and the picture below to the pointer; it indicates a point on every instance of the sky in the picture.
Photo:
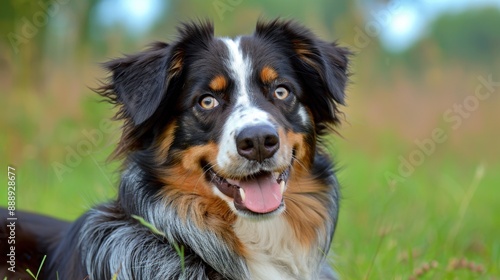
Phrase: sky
(136, 15)
(401, 23)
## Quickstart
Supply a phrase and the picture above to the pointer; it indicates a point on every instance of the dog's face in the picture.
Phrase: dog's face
(229, 120)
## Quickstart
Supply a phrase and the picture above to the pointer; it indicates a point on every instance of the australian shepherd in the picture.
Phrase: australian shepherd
(224, 175)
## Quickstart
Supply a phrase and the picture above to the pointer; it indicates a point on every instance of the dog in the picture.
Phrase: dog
(224, 174)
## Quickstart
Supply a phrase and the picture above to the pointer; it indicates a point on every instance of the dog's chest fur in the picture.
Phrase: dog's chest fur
(273, 250)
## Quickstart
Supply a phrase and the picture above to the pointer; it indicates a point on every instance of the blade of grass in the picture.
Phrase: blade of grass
(178, 249)
(39, 269)
(372, 262)
(31, 273)
(464, 205)
(148, 225)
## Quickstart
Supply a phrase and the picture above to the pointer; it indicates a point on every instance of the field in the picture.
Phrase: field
(417, 204)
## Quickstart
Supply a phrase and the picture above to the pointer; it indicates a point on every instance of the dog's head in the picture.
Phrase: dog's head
(228, 119)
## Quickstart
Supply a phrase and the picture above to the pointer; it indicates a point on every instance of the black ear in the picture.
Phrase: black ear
(322, 67)
(148, 83)
(139, 82)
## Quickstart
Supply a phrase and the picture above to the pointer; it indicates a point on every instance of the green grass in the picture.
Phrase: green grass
(442, 222)
(437, 217)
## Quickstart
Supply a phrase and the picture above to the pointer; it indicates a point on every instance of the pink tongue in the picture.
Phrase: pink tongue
(262, 194)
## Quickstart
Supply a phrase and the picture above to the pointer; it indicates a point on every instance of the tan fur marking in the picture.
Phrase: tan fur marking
(187, 189)
(305, 211)
(303, 153)
(218, 83)
(304, 52)
(165, 141)
(268, 74)
(301, 48)
(176, 65)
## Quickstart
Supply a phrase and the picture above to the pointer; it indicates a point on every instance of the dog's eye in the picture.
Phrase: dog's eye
(281, 93)
(208, 102)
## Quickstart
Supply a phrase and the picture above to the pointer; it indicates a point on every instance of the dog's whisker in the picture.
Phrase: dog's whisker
(208, 167)
(299, 162)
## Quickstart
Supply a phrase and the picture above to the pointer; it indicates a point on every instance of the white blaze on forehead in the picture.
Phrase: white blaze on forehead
(244, 112)
(303, 115)
(240, 69)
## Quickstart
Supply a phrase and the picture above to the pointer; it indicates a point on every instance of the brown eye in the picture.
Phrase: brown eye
(281, 93)
(208, 102)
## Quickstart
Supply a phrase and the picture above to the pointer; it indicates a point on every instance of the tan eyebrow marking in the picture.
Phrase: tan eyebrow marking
(218, 83)
(268, 74)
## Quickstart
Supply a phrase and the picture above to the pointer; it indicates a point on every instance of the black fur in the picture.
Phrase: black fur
(323, 67)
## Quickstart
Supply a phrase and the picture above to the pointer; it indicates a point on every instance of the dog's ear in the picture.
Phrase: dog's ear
(322, 67)
(139, 82)
(148, 83)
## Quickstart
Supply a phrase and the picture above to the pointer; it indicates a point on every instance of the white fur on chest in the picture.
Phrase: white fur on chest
(274, 251)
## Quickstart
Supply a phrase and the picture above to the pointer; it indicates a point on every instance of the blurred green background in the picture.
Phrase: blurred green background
(419, 152)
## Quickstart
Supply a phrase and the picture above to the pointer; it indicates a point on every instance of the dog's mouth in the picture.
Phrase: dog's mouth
(259, 193)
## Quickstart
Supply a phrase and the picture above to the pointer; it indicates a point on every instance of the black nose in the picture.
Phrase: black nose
(258, 142)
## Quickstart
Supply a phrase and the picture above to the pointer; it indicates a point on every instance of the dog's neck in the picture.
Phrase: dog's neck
(274, 251)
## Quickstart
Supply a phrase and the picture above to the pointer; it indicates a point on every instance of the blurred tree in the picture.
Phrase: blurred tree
(22, 21)
(232, 17)
(23, 25)
(30, 31)
(472, 36)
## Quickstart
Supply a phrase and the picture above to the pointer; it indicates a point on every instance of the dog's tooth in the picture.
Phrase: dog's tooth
(242, 194)
(282, 185)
